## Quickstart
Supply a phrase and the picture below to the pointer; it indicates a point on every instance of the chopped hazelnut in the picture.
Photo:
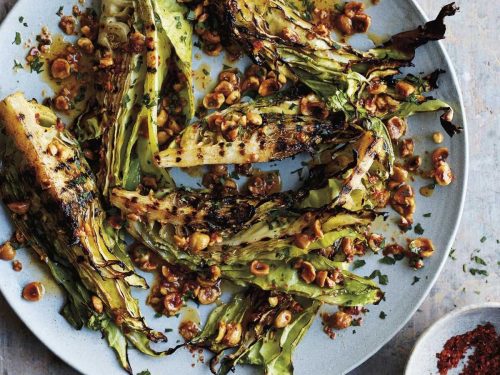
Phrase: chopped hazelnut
(7, 251)
(213, 101)
(283, 319)
(60, 68)
(208, 295)
(67, 24)
(340, 320)
(33, 292)
(258, 268)
(269, 86)
(396, 127)
(188, 330)
(198, 241)
(233, 334)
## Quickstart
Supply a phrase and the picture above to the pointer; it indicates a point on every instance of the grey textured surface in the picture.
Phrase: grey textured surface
(471, 39)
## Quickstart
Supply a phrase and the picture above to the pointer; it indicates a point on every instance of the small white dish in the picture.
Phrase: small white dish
(423, 359)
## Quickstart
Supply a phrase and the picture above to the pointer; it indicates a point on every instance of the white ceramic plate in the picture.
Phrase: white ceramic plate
(317, 353)
(423, 359)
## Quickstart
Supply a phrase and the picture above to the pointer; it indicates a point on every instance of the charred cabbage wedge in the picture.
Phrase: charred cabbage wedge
(256, 314)
(275, 33)
(273, 129)
(62, 219)
(139, 43)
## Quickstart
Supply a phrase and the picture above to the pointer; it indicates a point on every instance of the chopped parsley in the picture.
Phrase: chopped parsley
(476, 271)
(167, 330)
(418, 229)
(382, 279)
(145, 372)
(205, 72)
(358, 264)
(17, 39)
(36, 65)
(451, 255)
(387, 260)
(415, 280)
(427, 214)
(158, 315)
(17, 65)
(382, 315)
(479, 260)
(483, 239)
(60, 11)
(21, 20)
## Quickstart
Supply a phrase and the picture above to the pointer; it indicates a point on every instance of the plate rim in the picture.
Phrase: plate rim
(449, 316)
(454, 79)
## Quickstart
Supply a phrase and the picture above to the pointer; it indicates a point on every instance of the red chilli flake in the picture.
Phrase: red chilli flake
(484, 360)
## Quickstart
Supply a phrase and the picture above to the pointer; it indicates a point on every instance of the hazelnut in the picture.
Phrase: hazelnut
(310, 105)
(396, 127)
(188, 330)
(162, 118)
(404, 88)
(233, 334)
(283, 319)
(375, 241)
(414, 163)
(438, 137)
(268, 87)
(340, 320)
(33, 292)
(250, 84)
(213, 49)
(86, 45)
(208, 295)
(407, 148)
(377, 87)
(61, 103)
(225, 88)
(439, 155)
(7, 251)
(172, 302)
(254, 118)
(198, 241)
(307, 272)
(344, 24)
(423, 247)
(211, 37)
(67, 24)
(163, 137)
(393, 249)
(213, 101)
(352, 8)
(361, 23)
(399, 174)
(221, 332)
(17, 266)
(234, 97)
(60, 68)
(20, 208)
(258, 268)
(347, 247)
(317, 229)
(402, 195)
(97, 304)
(321, 277)
(443, 174)
(302, 240)
(230, 77)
